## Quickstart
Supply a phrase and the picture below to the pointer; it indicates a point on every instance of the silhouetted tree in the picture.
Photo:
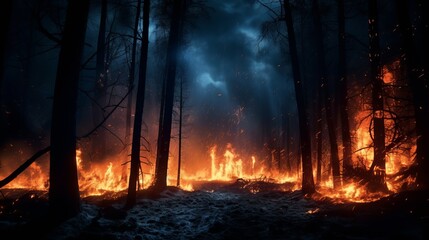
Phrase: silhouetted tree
(327, 100)
(179, 158)
(64, 199)
(342, 93)
(319, 138)
(167, 101)
(5, 16)
(305, 140)
(419, 89)
(132, 73)
(377, 170)
(138, 118)
(99, 144)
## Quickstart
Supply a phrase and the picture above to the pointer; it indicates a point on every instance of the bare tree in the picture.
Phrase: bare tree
(327, 100)
(305, 140)
(377, 170)
(419, 89)
(99, 145)
(138, 119)
(132, 72)
(342, 93)
(64, 199)
(167, 101)
(5, 16)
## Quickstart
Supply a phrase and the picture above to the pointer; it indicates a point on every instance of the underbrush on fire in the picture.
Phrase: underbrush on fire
(239, 209)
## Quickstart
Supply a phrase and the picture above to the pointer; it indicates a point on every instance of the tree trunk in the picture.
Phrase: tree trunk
(319, 138)
(378, 168)
(420, 92)
(179, 159)
(132, 72)
(287, 140)
(342, 95)
(305, 140)
(5, 17)
(327, 100)
(166, 113)
(99, 143)
(64, 199)
(138, 119)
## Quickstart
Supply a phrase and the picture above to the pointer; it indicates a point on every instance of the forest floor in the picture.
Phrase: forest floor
(226, 212)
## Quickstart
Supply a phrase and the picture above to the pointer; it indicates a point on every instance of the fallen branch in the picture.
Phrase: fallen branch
(40, 153)
(24, 166)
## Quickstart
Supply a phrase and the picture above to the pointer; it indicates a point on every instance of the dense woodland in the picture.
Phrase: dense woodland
(297, 86)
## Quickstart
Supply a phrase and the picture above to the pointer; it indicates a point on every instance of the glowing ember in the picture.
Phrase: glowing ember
(313, 211)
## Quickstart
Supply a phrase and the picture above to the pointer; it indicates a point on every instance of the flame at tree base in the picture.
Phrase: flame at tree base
(249, 175)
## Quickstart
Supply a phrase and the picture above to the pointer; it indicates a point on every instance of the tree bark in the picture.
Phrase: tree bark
(99, 142)
(419, 89)
(378, 168)
(342, 94)
(64, 199)
(132, 72)
(319, 138)
(166, 113)
(305, 140)
(327, 100)
(288, 143)
(5, 18)
(179, 159)
(138, 119)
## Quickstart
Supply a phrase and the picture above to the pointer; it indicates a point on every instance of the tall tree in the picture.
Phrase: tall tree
(99, 145)
(64, 199)
(5, 17)
(377, 170)
(305, 140)
(179, 159)
(319, 139)
(166, 112)
(419, 89)
(132, 72)
(138, 118)
(342, 93)
(287, 137)
(327, 100)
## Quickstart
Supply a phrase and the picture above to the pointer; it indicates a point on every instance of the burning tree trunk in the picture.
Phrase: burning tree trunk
(335, 161)
(319, 138)
(342, 94)
(166, 113)
(99, 145)
(377, 170)
(179, 159)
(287, 140)
(64, 199)
(305, 141)
(135, 147)
(132, 72)
(420, 92)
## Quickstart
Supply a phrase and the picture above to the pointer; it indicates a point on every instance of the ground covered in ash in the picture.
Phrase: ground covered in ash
(228, 212)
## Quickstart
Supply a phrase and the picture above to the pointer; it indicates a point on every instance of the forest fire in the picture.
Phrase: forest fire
(112, 176)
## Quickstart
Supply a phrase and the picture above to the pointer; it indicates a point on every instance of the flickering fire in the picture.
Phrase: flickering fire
(112, 176)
